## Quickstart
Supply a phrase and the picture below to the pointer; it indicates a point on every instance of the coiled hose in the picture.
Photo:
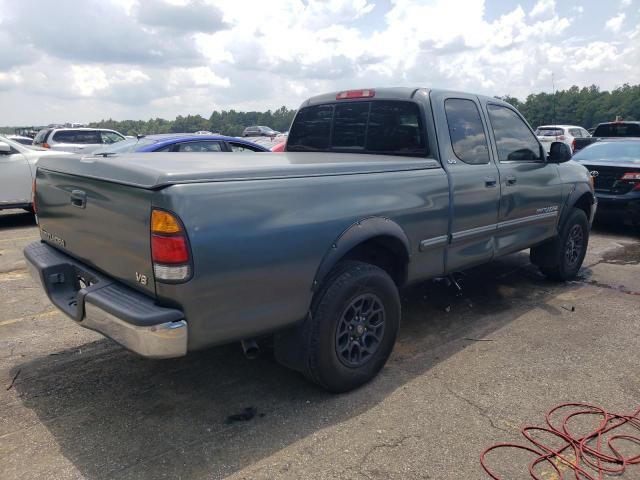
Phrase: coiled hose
(601, 459)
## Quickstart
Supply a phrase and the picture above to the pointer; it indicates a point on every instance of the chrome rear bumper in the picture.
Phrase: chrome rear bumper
(108, 307)
(165, 340)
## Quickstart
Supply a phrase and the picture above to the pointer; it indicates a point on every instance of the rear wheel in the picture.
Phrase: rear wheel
(562, 257)
(352, 327)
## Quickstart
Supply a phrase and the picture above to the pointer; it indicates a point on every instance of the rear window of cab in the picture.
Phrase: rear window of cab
(378, 127)
(618, 130)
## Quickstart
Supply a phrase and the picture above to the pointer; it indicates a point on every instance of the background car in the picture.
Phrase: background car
(182, 142)
(20, 139)
(17, 170)
(259, 131)
(615, 166)
(76, 140)
(281, 137)
(607, 130)
(547, 134)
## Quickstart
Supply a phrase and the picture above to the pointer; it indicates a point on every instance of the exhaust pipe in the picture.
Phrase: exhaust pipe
(250, 348)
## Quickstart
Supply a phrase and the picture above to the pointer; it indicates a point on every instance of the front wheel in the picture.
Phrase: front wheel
(562, 257)
(352, 327)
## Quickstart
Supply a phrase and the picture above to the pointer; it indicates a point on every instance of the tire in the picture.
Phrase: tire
(352, 327)
(562, 257)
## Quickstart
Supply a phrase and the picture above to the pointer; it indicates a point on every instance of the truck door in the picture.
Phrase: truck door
(531, 189)
(15, 178)
(475, 192)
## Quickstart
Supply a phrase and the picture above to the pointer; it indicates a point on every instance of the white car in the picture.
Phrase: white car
(547, 134)
(76, 140)
(17, 170)
(21, 139)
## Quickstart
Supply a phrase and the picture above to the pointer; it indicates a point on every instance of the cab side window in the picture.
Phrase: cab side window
(468, 139)
(514, 140)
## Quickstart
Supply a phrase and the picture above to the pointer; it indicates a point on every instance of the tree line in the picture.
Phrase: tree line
(226, 122)
(585, 106)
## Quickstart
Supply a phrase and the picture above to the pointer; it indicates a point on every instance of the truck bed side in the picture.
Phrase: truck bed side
(257, 245)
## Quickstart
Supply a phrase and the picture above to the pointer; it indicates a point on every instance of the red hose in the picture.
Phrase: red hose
(589, 459)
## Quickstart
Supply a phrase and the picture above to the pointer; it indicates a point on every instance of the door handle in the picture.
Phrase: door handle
(78, 198)
(511, 180)
(490, 182)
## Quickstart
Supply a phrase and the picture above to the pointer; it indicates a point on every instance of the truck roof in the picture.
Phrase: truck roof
(393, 93)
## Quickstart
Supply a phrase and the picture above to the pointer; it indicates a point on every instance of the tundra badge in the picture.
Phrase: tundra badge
(53, 238)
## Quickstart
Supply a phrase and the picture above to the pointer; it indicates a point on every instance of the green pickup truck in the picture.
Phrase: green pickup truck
(377, 189)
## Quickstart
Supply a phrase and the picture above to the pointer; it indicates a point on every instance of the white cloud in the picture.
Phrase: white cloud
(196, 77)
(615, 23)
(626, 3)
(88, 79)
(595, 56)
(9, 81)
(191, 56)
(543, 8)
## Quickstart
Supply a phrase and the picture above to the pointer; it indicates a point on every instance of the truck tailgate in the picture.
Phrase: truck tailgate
(102, 224)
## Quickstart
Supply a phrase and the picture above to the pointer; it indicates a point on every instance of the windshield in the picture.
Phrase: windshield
(126, 146)
(610, 152)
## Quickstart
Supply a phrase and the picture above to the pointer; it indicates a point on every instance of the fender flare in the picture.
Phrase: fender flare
(578, 191)
(355, 234)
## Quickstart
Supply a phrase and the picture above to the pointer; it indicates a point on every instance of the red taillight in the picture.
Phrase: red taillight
(46, 145)
(573, 145)
(171, 250)
(279, 147)
(348, 94)
(632, 177)
(169, 247)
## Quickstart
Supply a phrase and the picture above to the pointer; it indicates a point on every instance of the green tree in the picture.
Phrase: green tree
(586, 106)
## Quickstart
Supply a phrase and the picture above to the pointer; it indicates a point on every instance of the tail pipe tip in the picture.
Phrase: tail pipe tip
(250, 348)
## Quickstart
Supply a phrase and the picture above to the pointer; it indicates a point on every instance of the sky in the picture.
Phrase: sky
(87, 60)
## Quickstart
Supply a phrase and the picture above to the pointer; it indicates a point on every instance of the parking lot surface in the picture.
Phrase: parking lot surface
(468, 371)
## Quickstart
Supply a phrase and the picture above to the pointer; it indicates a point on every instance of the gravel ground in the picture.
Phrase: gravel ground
(468, 371)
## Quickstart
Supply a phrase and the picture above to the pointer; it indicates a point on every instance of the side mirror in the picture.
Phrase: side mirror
(559, 152)
(4, 148)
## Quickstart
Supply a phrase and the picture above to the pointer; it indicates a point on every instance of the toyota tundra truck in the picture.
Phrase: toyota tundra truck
(377, 189)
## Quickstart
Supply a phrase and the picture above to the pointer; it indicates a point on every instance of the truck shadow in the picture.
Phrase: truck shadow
(16, 219)
(114, 415)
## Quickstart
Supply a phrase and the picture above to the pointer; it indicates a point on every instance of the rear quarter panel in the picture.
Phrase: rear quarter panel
(257, 244)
